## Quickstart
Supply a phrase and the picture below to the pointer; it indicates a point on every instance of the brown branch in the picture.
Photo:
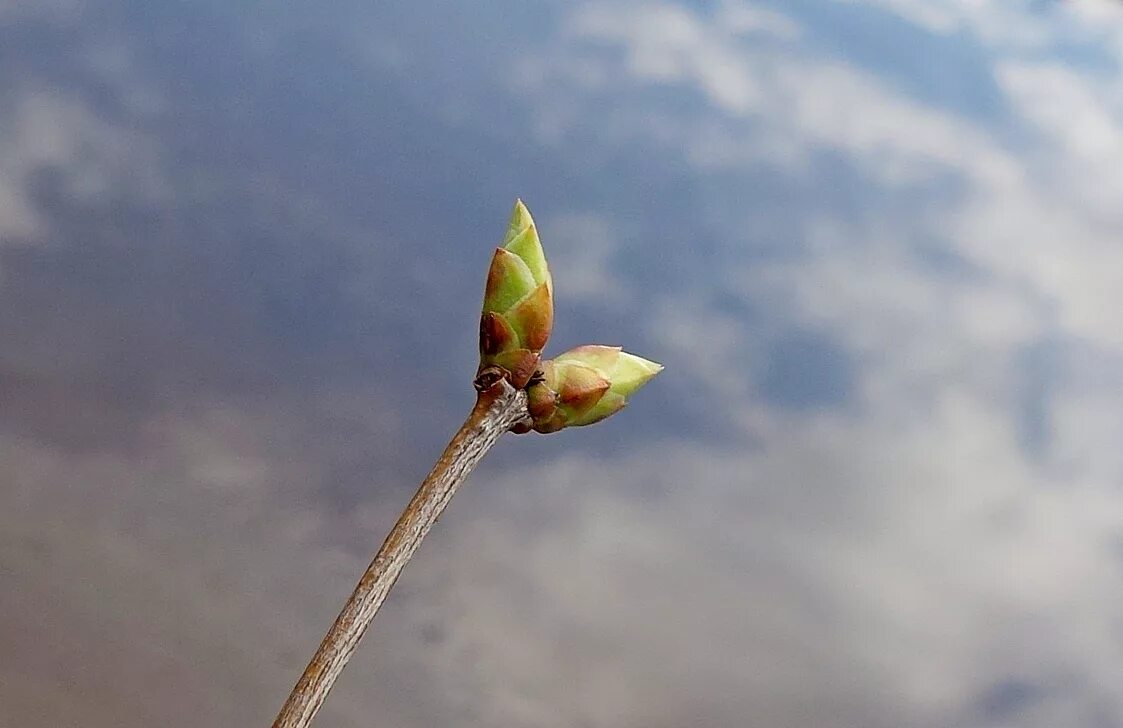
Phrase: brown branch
(497, 409)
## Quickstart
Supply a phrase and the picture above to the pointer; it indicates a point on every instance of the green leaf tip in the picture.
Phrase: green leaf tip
(520, 220)
(522, 240)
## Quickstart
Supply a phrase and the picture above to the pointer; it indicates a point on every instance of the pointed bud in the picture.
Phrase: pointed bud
(518, 308)
(585, 385)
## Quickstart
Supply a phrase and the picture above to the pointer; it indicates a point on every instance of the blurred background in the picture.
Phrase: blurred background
(878, 245)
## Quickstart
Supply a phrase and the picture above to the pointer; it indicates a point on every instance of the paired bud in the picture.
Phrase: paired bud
(518, 310)
(580, 387)
(585, 385)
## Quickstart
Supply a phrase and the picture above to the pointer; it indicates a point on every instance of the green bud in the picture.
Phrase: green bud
(586, 385)
(518, 307)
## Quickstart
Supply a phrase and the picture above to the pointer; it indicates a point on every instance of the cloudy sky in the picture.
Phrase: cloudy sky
(877, 243)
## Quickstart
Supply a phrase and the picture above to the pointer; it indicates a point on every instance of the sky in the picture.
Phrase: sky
(876, 244)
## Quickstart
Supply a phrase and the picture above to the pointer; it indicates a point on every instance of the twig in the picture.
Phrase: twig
(497, 409)
(518, 391)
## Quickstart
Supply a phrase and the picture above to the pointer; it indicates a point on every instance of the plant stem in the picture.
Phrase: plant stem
(497, 409)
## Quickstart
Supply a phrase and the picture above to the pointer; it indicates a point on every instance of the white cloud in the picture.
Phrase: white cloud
(585, 246)
(766, 102)
(1080, 117)
(1046, 220)
(47, 130)
(957, 557)
(1013, 27)
(669, 44)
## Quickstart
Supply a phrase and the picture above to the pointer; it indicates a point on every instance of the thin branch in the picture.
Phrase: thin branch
(497, 410)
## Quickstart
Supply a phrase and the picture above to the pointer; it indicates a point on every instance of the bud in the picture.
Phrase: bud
(518, 309)
(585, 385)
